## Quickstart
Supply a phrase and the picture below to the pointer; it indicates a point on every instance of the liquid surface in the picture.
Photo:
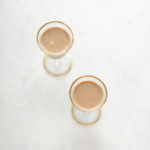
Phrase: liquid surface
(55, 39)
(88, 95)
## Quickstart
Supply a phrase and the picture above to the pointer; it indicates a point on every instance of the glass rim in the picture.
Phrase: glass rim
(96, 79)
(52, 54)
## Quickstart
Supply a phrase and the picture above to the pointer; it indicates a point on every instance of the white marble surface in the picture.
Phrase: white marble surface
(112, 41)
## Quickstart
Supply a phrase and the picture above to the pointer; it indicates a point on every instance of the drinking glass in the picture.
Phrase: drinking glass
(85, 116)
(60, 63)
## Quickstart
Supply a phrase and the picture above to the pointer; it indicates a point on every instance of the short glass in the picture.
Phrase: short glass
(81, 115)
(56, 64)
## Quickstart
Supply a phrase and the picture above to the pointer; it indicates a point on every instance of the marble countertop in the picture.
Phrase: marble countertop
(112, 41)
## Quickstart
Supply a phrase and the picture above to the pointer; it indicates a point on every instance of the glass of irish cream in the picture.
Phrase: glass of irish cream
(55, 39)
(88, 94)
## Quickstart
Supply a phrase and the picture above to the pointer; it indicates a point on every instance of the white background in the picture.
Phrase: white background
(112, 41)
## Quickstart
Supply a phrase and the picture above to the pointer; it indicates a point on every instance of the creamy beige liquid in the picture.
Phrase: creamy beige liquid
(88, 95)
(55, 39)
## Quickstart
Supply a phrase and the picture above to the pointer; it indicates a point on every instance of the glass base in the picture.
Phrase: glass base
(57, 67)
(85, 118)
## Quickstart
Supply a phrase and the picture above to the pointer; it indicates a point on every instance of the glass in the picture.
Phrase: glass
(60, 63)
(84, 116)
